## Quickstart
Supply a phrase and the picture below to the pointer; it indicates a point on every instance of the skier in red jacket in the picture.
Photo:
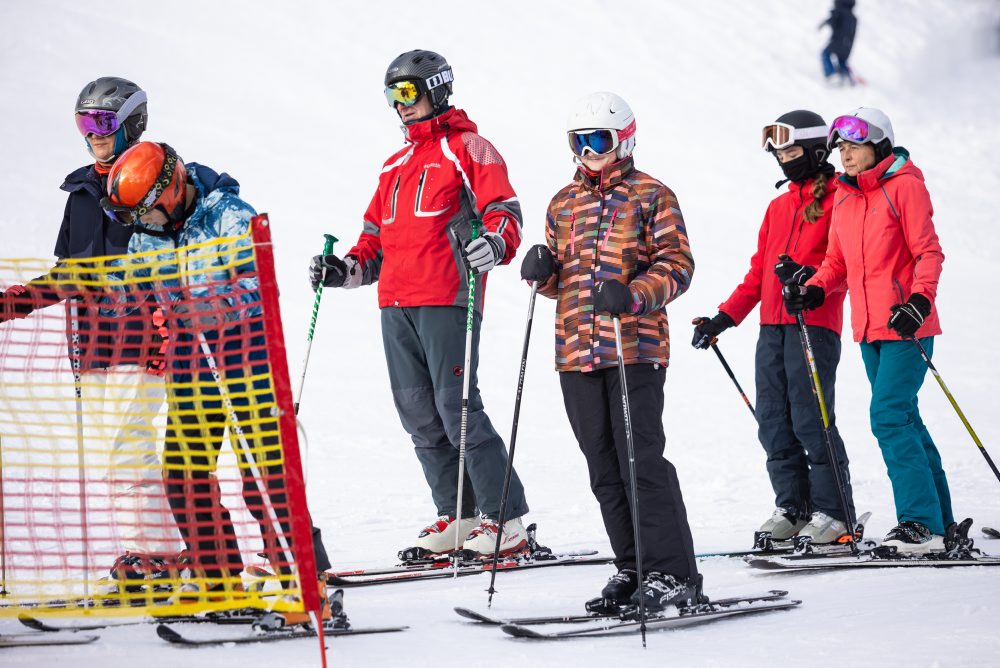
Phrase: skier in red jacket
(883, 246)
(417, 244)
(794, 233)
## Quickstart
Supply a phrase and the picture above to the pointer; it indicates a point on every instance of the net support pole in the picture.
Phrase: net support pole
(302, 543)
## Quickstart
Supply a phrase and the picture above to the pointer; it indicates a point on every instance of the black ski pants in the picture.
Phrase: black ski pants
(789, 423)
(594, 406)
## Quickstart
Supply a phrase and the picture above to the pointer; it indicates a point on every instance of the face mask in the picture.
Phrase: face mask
(799, 169)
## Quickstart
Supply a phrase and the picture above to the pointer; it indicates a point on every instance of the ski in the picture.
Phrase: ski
(687, 616)
(367, 578)
(773, 595)
(765, 546)
(40, 639)
(235, 617)
(959, 551)
(870, 560)
(990, 532)
(173, 637)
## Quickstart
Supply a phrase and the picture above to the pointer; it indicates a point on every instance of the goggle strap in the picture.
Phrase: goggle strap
(439, 79)
(815, 132)
(131, 104)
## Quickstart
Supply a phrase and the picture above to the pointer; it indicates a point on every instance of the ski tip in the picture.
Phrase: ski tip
(468, 614)
(31, 622)
(520, 631)
(167, 633)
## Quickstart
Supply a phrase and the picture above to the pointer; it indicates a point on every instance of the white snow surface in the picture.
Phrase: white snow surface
(287, 98)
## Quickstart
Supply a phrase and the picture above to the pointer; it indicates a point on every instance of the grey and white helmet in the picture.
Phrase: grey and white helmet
(430, 71)
(121, 96)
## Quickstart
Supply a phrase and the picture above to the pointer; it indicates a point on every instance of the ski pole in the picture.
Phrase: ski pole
(513, 441)
(954, 404)
(77, 365)
(248, 456)
(327, 249)
(631, 474)
(3, 533)
(725, 366)
(831, 451)
(466, 377)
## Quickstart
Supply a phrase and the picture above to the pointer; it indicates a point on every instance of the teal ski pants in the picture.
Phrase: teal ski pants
(919, 486)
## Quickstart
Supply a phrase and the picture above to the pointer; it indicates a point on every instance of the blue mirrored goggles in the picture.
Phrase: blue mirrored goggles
(599, 142)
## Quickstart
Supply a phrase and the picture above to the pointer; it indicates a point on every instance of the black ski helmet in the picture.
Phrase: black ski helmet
(816, 151)
(801, 119)
(117, 94)
(429, 70)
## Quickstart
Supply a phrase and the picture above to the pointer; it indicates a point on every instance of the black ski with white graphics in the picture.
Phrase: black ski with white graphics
(773, 595)
(223, 618)
(959, 551)
(990, 532)
(685, 616)
(172, 636)
(271, 628)
(41, 639)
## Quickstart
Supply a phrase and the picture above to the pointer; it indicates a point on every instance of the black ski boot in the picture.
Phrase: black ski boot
(660, 591)
(616, 593)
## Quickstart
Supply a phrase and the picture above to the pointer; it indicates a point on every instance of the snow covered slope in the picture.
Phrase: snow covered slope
(287, 98)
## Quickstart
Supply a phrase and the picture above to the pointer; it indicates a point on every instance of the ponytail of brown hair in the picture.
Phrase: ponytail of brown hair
(814, 211)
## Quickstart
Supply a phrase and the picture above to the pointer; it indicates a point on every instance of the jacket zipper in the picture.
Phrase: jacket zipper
(791, 232)
(420, 192)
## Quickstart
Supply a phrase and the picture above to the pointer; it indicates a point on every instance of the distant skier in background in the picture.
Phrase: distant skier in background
(417, 244)
(121, 361)
(794, 233)
(843, 25)
(883, 246)
(616, 245)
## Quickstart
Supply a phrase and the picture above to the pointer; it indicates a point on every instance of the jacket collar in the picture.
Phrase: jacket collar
(84, 178)
(453, 120)
(607, 178)
(886, 169)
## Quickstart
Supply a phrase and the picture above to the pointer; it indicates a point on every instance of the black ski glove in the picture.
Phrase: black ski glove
(538, 264)
(614, 298)
(707, 330)
(907, 318)
(790, 272)
(333, 272)
(800, 298)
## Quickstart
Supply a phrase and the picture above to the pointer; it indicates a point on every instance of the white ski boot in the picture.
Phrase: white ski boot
(439, 536)
(483, 539)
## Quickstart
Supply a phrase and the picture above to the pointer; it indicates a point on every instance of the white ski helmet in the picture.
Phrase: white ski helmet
(877, 130)
(602, 111)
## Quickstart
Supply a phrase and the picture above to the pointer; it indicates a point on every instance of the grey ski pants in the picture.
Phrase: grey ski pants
(425, 352)
(789, 424)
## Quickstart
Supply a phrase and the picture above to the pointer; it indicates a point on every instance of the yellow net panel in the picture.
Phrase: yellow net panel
(142, 460)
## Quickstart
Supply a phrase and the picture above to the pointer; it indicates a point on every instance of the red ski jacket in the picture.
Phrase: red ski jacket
(419, 219)
(785, 231)
(884, 246)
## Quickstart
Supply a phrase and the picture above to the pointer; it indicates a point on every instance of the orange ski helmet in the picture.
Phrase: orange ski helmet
(145, 177)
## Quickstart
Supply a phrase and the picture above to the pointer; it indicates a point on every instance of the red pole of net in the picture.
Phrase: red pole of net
(302, 544)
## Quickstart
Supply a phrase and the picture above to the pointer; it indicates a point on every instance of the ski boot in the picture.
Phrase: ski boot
(777, 530)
